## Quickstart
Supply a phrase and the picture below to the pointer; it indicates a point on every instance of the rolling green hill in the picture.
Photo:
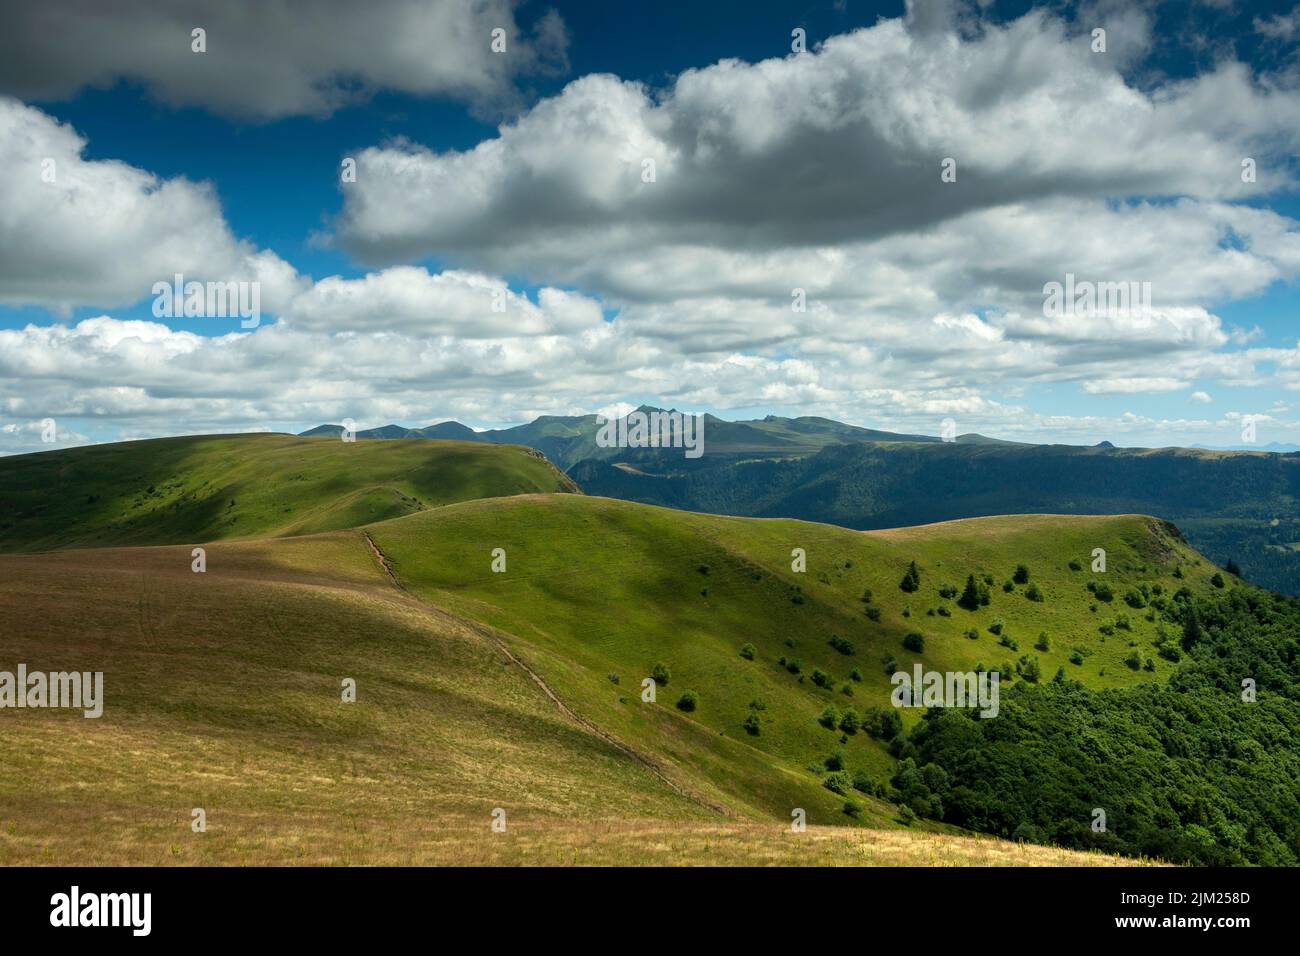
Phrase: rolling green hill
(501, 648)
(222, 692)
(596, 589)
(1230, 505)
(207, 488)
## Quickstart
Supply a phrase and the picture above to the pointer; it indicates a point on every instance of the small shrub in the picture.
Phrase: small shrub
(1076, 658)
(836, 760)
(1075, 565)
(853, 807)
(830, 718)
(863, 783)
(823, 679)
(748, 652)
(688, 701)
(837, 782)
(1133, 661)
(842, 645)
(914, 642)
(911, 578)
(1044, 643)
(1021, 575)
(752, 725)
(873, 613)
(849, 723)
(1217, 580)
(1034, 594)
(996, 626)
(661, 674)
(613, 678)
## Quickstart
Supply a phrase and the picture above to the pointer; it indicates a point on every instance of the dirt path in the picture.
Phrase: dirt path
(495, 638)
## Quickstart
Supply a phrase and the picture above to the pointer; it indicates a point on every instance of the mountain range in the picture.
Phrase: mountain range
(1232, 505)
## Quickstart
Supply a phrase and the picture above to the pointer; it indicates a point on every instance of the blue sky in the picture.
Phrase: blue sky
(673, 292)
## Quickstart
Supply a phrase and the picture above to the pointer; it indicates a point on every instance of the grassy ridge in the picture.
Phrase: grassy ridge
(597, 587)
(191, 490)
(223, 692)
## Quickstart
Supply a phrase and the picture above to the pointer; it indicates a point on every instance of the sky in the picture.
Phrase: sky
(487, 211)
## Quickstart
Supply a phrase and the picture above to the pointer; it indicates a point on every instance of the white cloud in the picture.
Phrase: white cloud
(101, 233)
(839, 145)
(267, 60)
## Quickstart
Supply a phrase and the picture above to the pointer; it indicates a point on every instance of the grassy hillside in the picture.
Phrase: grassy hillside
(197, 489)
(1239, 505)
(223, 692)
(596, 592)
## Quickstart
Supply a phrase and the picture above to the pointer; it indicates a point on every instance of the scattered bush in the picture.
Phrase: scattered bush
(823, 679)
(1133, 661)
(914, 642)
(1033, 593)
(830, 718)
(613, 678)
(842, 645)
(836, 761)
(748, 652)
(849, 723)
(1217, 580)
(1044, 643)
(1021, 575)
(996, 626)
(911, 578)
(688, 701)
(853, 807)
(873, 613)
(752, 725)
(661, 674)
(837, 782)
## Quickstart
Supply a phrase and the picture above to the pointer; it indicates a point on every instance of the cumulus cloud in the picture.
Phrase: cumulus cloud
(267, 60)
(465, 304)
(842, 144)
(75, 231)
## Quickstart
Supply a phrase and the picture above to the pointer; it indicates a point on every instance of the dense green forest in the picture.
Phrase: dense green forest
(1193, 771)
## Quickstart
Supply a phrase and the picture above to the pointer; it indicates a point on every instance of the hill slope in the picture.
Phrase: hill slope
(223, 692)
(208, 488)
(596, 589)
(1238, 505)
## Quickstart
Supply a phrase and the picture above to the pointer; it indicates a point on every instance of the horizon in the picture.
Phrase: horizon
(740, 223)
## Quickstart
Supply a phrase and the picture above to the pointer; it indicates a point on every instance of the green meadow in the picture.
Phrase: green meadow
(521, 689)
